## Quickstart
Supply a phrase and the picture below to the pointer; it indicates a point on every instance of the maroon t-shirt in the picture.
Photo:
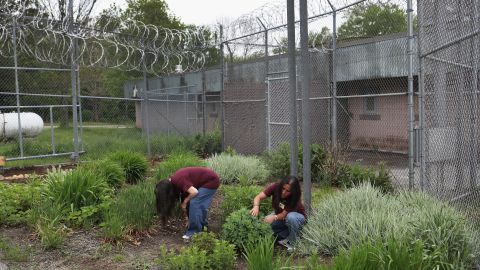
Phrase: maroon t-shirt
(197, 177)
(270, 191)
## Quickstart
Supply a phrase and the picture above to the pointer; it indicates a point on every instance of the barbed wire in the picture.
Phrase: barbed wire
(131, 45)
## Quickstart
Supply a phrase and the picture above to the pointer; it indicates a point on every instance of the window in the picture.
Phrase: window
(369, 105)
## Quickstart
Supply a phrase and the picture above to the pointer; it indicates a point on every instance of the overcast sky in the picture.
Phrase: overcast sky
(201, 12)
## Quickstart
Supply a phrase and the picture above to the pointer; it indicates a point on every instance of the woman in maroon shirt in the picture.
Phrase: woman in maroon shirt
(289, 213)
(195, 187)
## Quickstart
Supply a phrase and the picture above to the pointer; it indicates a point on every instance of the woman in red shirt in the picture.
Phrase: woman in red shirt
(195, 188)
(289, 212)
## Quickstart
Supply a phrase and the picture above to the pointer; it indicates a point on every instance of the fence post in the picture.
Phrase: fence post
(334, 81)
(222, 82)
(474, 101)
(292, 79)
(411, 169)
(267, 71)
(421, 104)
(17, 85)
(145, 84)
(75, 156)
(204, 100)
(306, 78)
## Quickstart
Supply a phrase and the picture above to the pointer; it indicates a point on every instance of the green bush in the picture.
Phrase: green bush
(353, 175)
(241, 229)
(134, 165)
(278, 162)
(208, 144)
(220, 254)
(232, 169)
(16, 201)
(177, 161)
(259, 254)
(236, 197)
(111, 171)
(134, 208)
(75, 189)
(189, 258)
(365, 215)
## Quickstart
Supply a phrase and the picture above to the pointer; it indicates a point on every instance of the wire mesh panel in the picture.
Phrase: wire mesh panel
(278, 112)
(451, 83)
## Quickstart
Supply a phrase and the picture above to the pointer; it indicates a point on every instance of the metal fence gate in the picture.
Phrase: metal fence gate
(278, 111)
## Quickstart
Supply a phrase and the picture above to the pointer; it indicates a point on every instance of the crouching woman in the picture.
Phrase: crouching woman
(289, 212)
(194, 187)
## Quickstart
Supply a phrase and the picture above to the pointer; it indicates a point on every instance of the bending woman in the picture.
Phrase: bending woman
(195, 188)
(289, 212)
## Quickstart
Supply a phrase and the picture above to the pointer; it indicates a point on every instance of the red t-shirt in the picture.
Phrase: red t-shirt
(197, 177)
(277, 203)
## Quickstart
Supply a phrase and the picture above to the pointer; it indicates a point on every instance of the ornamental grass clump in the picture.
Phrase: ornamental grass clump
(177, 161)
(110, 170)
(75, 189)
(134, 165)
(234, 168)
(365, 215)
(241, 229)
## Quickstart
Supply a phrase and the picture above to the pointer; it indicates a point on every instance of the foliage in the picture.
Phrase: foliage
(134, 165)
(189, 258)
(259, 254)
(232, 168)
(365, 215)
(220, 254)
(208, 144)
(241, 229)
(278, 161)
(152, 12)
(353, 175)
(17, 200)
(13, 252)
(369, 20)
(175, 162)
(107, 169)
(75, 189)
(236, 197)
(133, 209)
(51, 231)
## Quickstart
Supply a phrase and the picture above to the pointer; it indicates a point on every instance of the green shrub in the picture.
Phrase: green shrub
(236, 197)
(110, 170)
(365, 215)
(75, 189)
(241, 229)
(233, 168)
(353, 175)
(208, 144)
(177, 161)
(220, 254)
(134, 207)
(189, 258)
(134, 165)
(259, 254)
(278, 162)
(17, 200)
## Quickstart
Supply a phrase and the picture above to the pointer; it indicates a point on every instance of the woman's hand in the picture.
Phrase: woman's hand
(270, 219)
(255, 210)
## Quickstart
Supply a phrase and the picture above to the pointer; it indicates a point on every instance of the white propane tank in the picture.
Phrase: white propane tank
(32, 124)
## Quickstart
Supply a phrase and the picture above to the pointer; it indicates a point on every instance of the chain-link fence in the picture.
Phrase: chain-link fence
(449, 55)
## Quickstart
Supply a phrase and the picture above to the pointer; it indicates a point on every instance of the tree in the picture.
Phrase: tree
(369, 20)
(152, 12)
(315, 40)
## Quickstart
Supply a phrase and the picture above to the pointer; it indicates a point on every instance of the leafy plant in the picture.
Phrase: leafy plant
(75, 189)
(134, 165)
(354, 175)
(17, 200)
(177, 161)
(220, 254)
(51, 232)
(190, 258)
(208, 144)
(259, 254)
(111, 171)
(232, 168)
(241, 229)
(235, 197)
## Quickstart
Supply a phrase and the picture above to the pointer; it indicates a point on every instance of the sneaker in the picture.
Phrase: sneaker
(186, 238)
(286, 244)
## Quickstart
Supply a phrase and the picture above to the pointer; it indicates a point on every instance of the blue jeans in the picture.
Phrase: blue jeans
(288, 228)
(197, 210)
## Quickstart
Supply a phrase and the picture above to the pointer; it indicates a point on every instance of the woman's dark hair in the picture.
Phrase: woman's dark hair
(295, 192)
(167, 196)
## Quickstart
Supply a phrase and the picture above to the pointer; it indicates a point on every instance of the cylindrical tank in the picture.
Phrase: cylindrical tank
(32, 124)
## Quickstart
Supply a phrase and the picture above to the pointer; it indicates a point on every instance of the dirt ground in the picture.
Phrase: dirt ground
(85, 249)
